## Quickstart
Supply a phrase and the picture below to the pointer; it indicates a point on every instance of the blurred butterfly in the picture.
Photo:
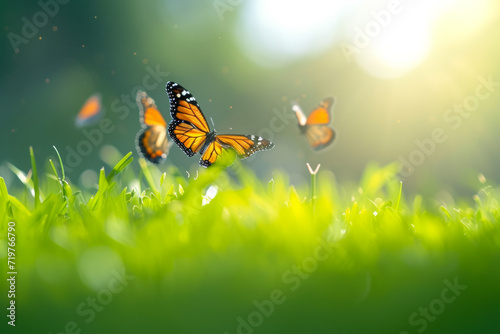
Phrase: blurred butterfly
(152, 140)
(190, 131)
(316, 126)
(90, 112)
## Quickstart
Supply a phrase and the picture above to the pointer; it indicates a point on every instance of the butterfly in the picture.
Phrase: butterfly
(190, 131)
(152, 140)
(90, 112)
(316, 126)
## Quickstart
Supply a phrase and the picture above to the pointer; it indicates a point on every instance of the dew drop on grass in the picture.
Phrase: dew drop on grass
(209, 194)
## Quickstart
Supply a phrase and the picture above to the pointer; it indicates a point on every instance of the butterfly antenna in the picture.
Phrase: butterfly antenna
(211, 120)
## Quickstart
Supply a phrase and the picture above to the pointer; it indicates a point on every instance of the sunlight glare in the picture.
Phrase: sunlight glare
(406, 42)
(467, 17)
(273, 33)
(402, 45)
(400, 49)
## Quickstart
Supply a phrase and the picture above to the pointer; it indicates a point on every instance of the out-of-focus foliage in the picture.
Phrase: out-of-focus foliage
(200, 253)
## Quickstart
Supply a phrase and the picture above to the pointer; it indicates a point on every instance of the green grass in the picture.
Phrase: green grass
(201, 264)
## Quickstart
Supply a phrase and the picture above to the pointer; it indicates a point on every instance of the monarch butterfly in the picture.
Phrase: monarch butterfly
(190, 131)
(152, 140)
(90, 112)
(315, 126)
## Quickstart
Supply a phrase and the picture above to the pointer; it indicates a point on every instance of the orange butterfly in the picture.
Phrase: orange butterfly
(190, 131)
(152, 140)
(315, 126)
(90, 112)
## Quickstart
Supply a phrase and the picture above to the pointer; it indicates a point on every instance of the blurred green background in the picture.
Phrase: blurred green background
(395, 68)
(244, 59)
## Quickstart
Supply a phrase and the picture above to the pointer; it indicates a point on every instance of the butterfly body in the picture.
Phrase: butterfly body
(211, 137)
(190, 131)
(316, 127)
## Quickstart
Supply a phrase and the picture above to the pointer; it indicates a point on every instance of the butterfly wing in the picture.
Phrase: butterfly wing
(153, 145)
(211, 153)
(188, 137)
(319, 136)
(321, 114)
(90, 112)
(152, 141)
(243, 145)
(188, 128)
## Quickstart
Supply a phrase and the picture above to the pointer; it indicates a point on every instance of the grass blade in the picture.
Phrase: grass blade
(54, 169)
(103, 187)
(3, 189)
(120, 166)
(60, 162)
(147, 174)
(36, 184)
(4, 200)
(23, 178)
(270, 187)
(314, 184)
(15, 203)
(399, 196)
